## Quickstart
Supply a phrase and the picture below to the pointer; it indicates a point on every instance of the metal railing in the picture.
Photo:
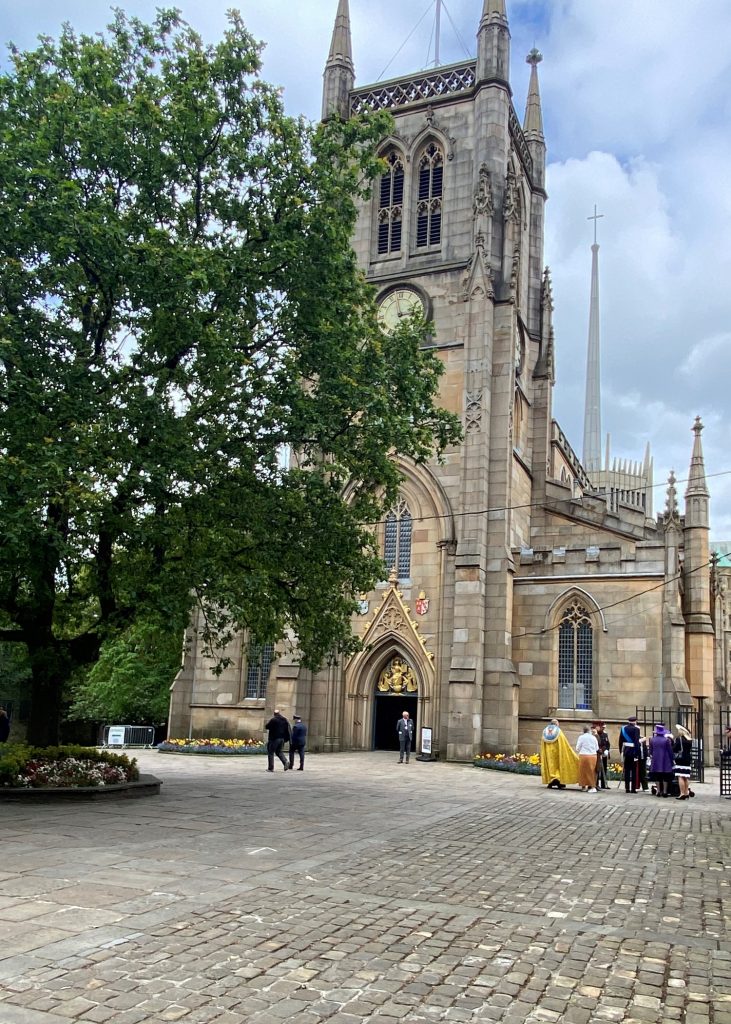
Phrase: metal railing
(128, 736)
(724, 760)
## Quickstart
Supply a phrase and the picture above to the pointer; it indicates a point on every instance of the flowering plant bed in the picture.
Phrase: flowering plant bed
(518, 764)
(526, 764)
(212, 746)
(72, 767)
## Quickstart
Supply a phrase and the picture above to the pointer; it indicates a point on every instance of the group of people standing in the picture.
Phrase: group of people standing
(661, 756)
(666, 758)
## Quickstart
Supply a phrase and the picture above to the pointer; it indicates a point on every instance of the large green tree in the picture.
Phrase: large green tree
(179, 304)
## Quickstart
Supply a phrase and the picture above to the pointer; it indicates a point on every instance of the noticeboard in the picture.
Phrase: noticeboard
(426, 740)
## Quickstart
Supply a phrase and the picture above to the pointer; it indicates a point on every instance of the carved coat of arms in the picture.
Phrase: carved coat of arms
(422, 604)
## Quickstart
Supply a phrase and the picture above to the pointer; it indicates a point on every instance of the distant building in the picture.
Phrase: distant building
(523, 583)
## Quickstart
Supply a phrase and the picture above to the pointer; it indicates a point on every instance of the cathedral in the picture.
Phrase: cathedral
(523, 581)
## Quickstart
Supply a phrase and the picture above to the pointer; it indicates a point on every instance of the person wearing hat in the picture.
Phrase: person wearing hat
(298, 742)
(602, 761)
(661, 760)
(683, 752)
(559, 762)
(629, 750)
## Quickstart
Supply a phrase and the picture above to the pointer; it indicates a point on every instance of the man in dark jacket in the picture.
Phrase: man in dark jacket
(279, 734)
(297, 743)
(405, 730)
(629, 749)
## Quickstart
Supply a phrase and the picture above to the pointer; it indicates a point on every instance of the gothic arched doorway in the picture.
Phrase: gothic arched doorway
(396, 691)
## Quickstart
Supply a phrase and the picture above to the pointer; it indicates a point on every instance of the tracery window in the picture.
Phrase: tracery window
(575, 658)
(258, 668)
(429, 202)
(390, 205)
(397, 540)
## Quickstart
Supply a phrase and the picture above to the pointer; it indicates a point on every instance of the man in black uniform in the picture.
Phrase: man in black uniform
(297, 743)
(629, 749)
(279, 734)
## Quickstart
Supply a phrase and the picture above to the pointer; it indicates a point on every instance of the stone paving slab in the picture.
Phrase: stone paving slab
(363, 891)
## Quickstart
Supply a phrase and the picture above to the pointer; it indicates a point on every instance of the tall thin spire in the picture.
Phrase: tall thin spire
(533, 121)
(592, 408)
(697, 486)
(339, 70)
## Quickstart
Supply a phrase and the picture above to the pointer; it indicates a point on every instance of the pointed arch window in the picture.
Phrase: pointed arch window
(575, 658)
(258, 667)
(397, 540)
(429, 201)
(390, 204)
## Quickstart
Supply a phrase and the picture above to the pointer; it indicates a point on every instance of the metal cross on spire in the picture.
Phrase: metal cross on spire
(595, 218)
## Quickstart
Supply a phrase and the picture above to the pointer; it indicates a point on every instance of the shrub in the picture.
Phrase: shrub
(63, 767)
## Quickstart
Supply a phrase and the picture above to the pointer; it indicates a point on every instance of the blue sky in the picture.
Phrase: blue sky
(637, 103)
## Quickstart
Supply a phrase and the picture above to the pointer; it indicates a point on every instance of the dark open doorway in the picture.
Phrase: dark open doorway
(388, 710)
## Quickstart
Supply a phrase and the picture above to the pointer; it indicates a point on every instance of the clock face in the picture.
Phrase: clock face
(397, 305)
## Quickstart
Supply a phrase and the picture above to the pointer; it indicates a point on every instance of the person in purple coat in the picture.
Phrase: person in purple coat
(661, 760)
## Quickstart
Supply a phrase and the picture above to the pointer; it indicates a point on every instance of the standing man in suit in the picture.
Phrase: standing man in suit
(405, 730)
(629, 749)
(279, 734)
(297, 743)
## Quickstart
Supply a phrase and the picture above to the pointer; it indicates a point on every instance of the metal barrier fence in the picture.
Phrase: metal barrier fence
(724, 742)
(689, 716)
(128, 736)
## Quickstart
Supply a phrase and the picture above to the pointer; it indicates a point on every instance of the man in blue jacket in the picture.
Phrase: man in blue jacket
(298, 742)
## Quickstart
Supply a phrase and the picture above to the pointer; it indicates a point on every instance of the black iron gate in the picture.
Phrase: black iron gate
(690, 717)
(724, 760)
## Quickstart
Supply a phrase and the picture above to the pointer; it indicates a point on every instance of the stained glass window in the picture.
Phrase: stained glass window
(258, 669)
(397, 540)
(575, 658)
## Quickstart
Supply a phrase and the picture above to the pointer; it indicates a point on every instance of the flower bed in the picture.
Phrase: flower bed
(72, 767)
(518, 764)
(526, 764)
(212, 746)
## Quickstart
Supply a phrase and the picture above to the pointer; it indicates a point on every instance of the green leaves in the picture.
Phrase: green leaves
(178, 301)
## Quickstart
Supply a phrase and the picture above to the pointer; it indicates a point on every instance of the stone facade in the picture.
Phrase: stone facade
(529, 591)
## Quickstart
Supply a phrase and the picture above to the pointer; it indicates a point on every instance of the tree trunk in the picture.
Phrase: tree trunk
(50, 672)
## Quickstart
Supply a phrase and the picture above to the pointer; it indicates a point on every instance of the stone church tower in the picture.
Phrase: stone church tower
(518, 587)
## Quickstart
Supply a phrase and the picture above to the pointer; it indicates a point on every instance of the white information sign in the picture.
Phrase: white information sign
(116, 736)
(426, 741)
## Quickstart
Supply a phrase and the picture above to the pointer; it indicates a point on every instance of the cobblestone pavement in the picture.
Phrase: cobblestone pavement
(364, 891)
